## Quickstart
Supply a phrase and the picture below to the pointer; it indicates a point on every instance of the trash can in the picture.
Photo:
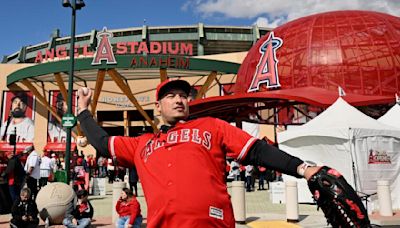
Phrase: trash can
(61, 176)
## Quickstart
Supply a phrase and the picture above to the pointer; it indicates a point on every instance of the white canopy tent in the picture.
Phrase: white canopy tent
(361, 148)
(392, 117)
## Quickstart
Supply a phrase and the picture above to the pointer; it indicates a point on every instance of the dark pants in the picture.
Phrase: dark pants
(28, 224)
(14, 191)
(32, 185)
(133, 185)
(5, 199)
(111, 176)
(261, 181)
(248, 183)
(43, 181)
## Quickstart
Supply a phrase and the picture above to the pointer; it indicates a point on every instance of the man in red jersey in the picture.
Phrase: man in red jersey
(182, 167)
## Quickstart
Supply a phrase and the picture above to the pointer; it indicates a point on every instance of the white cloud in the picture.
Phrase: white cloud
(271, 12)
(265, 22)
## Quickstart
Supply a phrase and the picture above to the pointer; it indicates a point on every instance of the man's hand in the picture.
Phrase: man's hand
(25, 218)
(310, 171)
(129, 225)
(84, 98)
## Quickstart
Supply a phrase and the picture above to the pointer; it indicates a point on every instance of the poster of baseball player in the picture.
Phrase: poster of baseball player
(18, 114)
(55, 132)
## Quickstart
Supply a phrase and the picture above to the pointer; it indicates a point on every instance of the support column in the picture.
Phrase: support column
(238, 201)
(384, 198)
(117, 189)
(292, 203)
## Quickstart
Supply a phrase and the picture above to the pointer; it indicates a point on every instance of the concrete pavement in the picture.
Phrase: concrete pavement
(260, 212)
(259, 208)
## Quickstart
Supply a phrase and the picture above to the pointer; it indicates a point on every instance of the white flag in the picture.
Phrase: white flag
(342, 93)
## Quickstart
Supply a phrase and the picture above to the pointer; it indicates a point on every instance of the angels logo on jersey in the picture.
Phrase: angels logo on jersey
(267, 71)
(180, 136)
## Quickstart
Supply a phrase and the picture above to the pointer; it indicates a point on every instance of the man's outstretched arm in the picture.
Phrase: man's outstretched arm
(332, 193)
(94, 133)
(263, 154)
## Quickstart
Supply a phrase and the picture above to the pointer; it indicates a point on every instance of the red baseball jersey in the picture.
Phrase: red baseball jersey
(182, 171)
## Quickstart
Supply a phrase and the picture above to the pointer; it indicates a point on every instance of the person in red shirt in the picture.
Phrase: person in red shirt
(79, 175)
(92, 165)
(185, 149)
(128, 209)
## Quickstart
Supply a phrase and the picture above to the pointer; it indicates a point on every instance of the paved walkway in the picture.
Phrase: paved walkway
(260, 212)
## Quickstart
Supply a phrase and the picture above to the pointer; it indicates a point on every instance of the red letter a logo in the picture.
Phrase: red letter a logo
(104, 50)
(267, 71)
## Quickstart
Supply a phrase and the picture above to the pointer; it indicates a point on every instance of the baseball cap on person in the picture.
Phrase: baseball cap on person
(167, 85)
(22, 95)
(28, 149)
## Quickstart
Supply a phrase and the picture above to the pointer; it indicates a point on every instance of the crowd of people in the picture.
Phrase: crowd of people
(28, 168)
(23, 175)
(249, 174)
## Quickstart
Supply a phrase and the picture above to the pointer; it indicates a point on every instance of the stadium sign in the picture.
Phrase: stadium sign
(105, 51)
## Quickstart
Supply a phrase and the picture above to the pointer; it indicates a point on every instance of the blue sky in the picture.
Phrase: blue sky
(29, 22)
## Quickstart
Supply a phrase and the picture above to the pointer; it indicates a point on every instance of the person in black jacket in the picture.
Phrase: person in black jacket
(24, 211)
(81, 214)
(15, 174)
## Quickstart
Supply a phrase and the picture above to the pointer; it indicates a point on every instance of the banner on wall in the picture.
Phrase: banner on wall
(56, 133)
(377, 158)
(18, 116)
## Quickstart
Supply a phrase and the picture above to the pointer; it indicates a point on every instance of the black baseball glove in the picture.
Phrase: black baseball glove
(337, 199)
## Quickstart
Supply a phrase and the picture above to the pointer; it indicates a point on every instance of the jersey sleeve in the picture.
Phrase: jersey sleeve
(123, 149)
(236, 142)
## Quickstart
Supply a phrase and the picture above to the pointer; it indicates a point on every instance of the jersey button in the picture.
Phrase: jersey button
(169, 165)
(169, 183)
(169, 148)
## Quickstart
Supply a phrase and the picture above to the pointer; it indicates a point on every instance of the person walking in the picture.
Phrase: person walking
(248, 174)
(235, 170)
(133, 180)
(46, 169)
(32, 169)
(262, 171)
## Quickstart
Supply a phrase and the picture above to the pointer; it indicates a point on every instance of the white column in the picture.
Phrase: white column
(292, 205)
(238, 201)
(384, 198)
(117, 189)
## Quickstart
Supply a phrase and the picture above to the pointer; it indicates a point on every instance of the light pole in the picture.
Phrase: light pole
(74, 5)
